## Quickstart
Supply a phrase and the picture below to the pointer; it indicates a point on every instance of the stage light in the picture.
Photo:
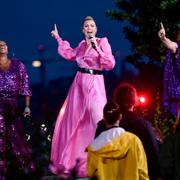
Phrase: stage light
(36, 63)
(142, 99)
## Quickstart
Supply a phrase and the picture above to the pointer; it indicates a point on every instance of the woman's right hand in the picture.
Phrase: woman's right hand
(162, 32)
(171, 45)
(54, 32)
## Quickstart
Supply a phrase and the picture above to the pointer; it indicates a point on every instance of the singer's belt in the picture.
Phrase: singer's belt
(89, 71)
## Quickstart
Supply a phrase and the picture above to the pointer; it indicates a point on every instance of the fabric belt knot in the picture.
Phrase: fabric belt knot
(89, 71)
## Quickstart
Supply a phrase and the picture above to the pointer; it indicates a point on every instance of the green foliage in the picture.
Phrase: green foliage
(163, 119)
(141, 25)
(165, 4)
(143, 19)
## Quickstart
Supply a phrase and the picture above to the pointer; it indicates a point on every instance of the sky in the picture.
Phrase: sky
(26, 24)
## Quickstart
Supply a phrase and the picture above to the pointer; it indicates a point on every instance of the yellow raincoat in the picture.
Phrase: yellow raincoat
(122, 158)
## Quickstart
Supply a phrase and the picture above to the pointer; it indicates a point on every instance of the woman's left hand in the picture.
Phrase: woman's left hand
(27, 112)
(93, 41)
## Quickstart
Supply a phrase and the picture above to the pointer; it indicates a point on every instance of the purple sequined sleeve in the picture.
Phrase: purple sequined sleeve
(24, 88)
(13, 82)
(172, 80)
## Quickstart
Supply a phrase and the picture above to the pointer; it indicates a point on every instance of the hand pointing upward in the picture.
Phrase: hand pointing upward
(54, 32)
(162, 32)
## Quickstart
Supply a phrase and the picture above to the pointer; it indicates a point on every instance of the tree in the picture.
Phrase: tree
(141, 24)
(143, 19)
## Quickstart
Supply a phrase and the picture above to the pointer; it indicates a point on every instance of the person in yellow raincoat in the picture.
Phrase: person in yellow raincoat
(116, 154)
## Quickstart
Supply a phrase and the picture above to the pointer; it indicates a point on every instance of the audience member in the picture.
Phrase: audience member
(116, 154)
(125, 96)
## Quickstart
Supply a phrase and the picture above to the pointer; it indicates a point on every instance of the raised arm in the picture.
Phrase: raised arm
(64, 48)
(54, 32)
(166, 41)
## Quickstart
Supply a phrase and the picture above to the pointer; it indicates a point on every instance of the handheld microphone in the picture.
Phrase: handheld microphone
(90, 37)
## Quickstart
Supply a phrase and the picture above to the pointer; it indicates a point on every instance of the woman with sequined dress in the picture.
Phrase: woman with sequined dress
(83, 108)
(13, 84)
(171, 71)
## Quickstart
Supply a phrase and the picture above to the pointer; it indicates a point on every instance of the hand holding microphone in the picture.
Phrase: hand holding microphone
(92, 40)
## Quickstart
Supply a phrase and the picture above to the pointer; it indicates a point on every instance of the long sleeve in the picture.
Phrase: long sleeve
(24, 88)
(65, 50)
(107, 60)
(91, 164)
(142, 161)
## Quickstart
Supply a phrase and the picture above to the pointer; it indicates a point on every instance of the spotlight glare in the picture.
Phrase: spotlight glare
(142, 99)
(36, 63)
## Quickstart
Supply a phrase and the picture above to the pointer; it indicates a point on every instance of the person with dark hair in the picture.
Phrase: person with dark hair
(126, 100)
(14, 82)
(116, 154)
(83, 107)
(169, 156)
(125, 96)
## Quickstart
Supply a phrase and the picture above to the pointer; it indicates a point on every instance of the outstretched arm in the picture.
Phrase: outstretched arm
(64, 48)
(166, 41)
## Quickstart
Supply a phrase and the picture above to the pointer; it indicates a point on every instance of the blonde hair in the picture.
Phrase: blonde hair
(87, 18)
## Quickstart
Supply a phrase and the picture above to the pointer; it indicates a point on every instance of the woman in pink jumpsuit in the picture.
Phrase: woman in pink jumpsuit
(83, 108)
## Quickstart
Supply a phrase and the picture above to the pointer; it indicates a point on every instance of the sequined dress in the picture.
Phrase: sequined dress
(13, 83)
(172, 80)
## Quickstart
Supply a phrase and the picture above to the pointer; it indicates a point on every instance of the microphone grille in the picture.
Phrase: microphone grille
(90, 36)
